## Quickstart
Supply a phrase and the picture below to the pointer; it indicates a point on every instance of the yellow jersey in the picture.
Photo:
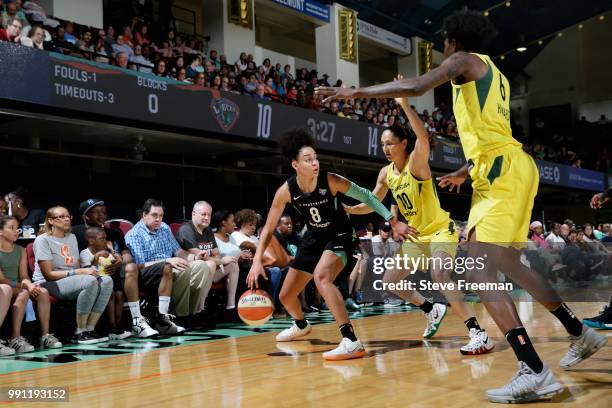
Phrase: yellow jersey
(482, 112)
(418, 202)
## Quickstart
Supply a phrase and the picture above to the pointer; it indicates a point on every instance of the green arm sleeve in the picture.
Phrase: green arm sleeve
(365, 196)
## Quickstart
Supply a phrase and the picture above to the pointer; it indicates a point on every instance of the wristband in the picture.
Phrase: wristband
(13, 284)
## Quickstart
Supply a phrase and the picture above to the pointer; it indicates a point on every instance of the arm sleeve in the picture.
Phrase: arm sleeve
(365, 196)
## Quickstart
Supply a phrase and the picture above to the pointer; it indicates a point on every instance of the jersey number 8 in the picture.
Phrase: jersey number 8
(314, 213)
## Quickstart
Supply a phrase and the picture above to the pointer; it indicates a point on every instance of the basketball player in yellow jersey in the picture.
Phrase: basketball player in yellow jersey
(409, 179)
(504, 182)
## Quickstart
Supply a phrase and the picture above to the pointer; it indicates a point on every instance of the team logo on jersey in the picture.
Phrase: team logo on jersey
(322, 191)
(226, 112)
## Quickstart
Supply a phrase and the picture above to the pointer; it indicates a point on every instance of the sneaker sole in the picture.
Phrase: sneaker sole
(545, 393)
(479, 351)
(282, 340)
(596, 325)
(429, 336)
(341, 357)
(602, 342)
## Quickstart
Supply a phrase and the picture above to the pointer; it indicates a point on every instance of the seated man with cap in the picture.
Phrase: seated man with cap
(124, 271)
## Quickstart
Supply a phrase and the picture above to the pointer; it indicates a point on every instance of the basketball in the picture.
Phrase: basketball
(255, 307)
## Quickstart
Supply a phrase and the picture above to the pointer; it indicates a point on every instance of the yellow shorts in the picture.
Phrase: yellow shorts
(504, 187)
(444, 241)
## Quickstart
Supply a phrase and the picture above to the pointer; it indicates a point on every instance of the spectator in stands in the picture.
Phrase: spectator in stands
(554, 238)
(127, 36)
(35, 38)
(14, 272)
(122, 60)
(109, 38)
(287, 73)
(143, 63)
(383, 243)
(5, 303)
(152, 244)
(69, 33)
(57, 269)
(3, 206)
(121, 46)
(246, 220)
(166, 50)
(566, 230)
(242, 61)
(101, 54)
(284, 235)
(195, 66)
(12, 31)
(222, 222)
(214, 59)
(196, 236)
(160, 68)
(142, 35)
(30, 219)
(225, 85)
(201, 79)
(260, 93)
(12, 10)
(182, 75)
(85, 42)
(267, 65)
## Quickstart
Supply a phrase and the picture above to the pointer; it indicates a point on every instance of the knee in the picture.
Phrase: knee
(6, 290)
(107, 282)
(131, 270)
(321, 279)
(167, 271)
(283, 296)
(22, 298)
(89, 281)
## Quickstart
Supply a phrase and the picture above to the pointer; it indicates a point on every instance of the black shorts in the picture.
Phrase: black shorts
(149, 277)
(311, 249)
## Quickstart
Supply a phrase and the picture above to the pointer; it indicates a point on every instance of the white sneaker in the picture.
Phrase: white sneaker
(4, 350)
(480, 343)
(526, 386)
(21, 345)
(293, 332)
(434, 318)
(141, 328)
(582, 347)
(346, 350)
(119, 336)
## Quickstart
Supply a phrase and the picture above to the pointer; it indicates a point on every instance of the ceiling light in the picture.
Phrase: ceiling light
(602, 17)
(559, 34)
(508, 4)
(521, 49)
(580, 26)
(486, 13)
(502, 57)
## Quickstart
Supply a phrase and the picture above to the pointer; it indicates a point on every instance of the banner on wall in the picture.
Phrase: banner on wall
(393, 42)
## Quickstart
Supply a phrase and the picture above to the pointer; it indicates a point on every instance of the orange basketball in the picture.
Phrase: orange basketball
(255, 307)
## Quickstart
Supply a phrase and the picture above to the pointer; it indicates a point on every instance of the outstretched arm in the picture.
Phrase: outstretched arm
(340, 184)
(380, 191)
(454, 66)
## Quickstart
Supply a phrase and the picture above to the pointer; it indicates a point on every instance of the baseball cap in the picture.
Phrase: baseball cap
(385, 226)
(89, 204)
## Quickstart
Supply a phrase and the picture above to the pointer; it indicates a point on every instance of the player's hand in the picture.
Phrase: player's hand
(598, 200)
(348, 209)
(405, 231)
(454, 179)
(178, 263)
(333, 93)
(204, 255)
(256, 271)
(87, 271)
(404, 99)
(245, 255)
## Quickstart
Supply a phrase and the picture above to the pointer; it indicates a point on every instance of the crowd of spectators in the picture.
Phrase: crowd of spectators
(132, 45)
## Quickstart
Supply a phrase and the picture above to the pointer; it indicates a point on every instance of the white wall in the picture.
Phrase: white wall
(226, 38)
(328, 52)
(409, 67)
(593, 110)
(85, 12)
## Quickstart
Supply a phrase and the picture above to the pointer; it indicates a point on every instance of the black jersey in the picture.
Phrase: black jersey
(322, 212)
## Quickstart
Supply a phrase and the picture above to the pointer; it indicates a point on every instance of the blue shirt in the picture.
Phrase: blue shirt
(147, 246)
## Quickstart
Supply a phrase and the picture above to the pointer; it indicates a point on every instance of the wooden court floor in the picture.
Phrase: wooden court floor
(400, 370)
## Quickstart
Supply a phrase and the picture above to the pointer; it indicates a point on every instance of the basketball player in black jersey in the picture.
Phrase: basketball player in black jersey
(327, 243)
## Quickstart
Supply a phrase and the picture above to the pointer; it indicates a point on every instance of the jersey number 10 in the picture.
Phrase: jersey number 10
(406, 203)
